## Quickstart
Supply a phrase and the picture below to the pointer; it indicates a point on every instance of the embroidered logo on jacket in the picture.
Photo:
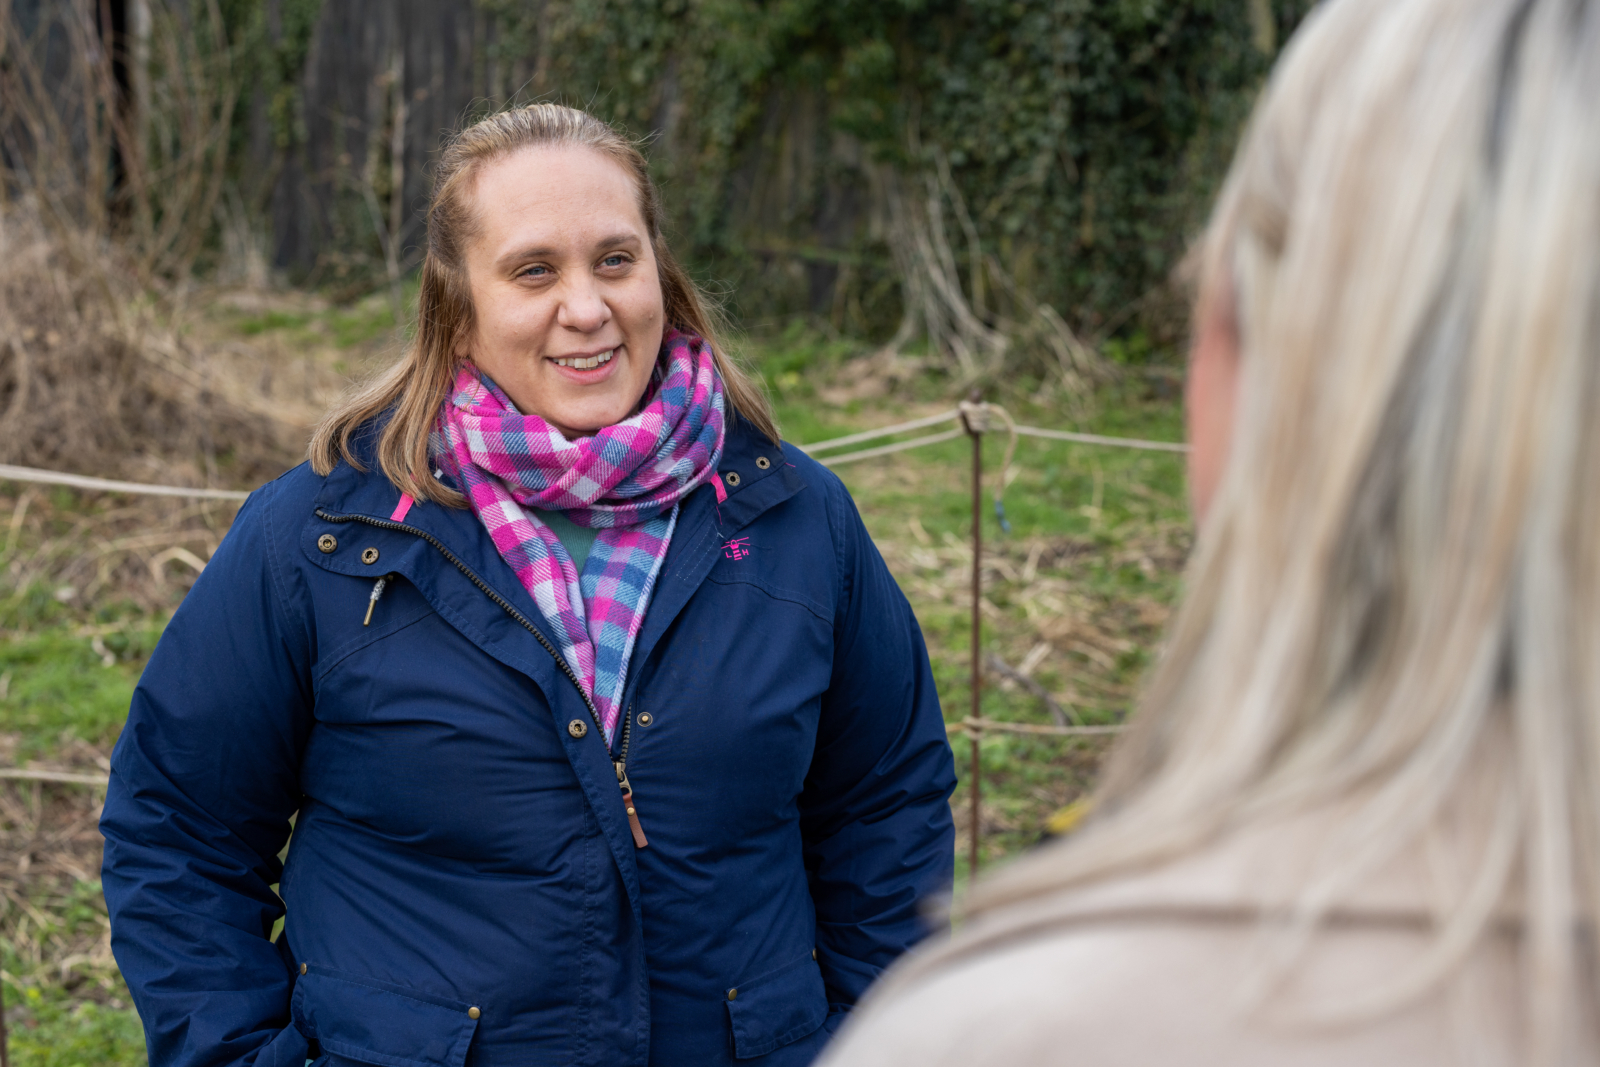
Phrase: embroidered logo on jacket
(738, 548)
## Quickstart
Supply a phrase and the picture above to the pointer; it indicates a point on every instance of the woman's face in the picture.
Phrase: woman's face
(565, 293)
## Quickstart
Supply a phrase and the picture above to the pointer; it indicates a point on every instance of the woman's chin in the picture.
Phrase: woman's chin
(585, 421)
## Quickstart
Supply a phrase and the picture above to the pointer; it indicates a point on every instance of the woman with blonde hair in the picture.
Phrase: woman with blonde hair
(607, 736)
(1357, 819)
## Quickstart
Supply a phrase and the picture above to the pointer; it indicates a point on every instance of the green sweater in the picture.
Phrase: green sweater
(578, 540)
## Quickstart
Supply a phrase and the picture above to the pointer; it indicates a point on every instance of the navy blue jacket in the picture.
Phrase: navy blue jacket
(463, 887)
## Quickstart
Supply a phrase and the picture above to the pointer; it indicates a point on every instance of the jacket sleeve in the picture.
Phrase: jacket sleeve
(204, 780)
(875, 813)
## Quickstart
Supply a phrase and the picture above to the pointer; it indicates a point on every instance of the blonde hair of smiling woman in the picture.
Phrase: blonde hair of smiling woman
(1393, 609)
(421, 381)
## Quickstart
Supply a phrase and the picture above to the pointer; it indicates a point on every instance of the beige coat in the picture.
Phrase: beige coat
(1171, 967)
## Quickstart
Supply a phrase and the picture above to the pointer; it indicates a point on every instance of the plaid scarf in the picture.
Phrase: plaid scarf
(625, 481)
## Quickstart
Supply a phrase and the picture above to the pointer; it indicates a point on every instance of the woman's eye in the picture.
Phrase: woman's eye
(536, 272)
(613, 261)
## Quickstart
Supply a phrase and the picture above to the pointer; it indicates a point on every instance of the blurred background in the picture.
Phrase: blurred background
(209, 226)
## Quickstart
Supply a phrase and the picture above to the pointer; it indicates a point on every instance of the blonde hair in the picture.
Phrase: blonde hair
(415, 387)
(1393, 609)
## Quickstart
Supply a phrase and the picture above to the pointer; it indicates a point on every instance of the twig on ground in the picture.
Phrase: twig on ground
(1061, 715)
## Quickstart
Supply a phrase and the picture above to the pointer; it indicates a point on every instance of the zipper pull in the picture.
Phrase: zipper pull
(627, 802)
(372, 601)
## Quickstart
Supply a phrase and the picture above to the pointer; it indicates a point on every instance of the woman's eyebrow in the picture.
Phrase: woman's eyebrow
(521, 254)
(615, 240)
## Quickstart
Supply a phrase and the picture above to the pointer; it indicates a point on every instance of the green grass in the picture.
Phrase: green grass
(272, 320)
(60, 695)
(49, 1028)
(344, 326)
(58, 687)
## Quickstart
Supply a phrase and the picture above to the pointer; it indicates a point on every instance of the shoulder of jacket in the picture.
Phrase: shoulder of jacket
(288, 501)
(817, 476)
(295, 490)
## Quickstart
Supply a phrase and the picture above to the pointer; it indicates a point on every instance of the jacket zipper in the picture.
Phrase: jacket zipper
(619, 761)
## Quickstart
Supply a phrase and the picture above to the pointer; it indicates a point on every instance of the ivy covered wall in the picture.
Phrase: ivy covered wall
(1067, 147)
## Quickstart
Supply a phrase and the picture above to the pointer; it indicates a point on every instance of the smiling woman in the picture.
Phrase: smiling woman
(606, 735)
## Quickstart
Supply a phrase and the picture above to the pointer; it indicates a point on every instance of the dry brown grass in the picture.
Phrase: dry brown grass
(51, 918)
(96, 377)
(109, 194)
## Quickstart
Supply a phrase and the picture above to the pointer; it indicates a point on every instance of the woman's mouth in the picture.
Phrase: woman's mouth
(585, 362)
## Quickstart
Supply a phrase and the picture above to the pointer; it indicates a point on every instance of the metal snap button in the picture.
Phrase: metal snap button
(645, 718)
(813, 953)
(577, 727)
(327, 542)
(733, 994)
(732, 478)
(302, 968)
(473, 1013)
(763, 462)
(369, 555)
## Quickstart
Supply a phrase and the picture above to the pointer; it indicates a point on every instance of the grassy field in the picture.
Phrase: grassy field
(1075, 598)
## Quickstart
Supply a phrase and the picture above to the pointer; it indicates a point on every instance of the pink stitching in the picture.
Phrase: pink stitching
(738, 548)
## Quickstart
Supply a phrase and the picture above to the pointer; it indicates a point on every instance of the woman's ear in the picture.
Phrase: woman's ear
(1210, 390)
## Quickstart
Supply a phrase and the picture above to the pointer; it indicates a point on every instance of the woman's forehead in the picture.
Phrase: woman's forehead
(554, 197)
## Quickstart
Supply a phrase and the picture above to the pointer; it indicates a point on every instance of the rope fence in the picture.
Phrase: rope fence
(957, 415)
(11, 473)
(80, 481)
(30, 774)
(978, 727)
(884, 450)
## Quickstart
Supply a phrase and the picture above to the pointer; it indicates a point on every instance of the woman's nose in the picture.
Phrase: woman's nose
(583, 308)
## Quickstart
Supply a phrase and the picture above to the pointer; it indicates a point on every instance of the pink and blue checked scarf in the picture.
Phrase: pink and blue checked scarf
(625, 481)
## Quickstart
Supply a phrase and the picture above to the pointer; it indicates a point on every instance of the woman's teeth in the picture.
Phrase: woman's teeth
(585, 363)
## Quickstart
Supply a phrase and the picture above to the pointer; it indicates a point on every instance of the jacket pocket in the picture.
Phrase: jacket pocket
(370, 1022)
(776, 1008)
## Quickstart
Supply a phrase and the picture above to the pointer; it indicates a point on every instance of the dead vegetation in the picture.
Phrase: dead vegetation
(52, 920)
(108, 187)
(95, 381)
(71, 555)
(965, 304)
(1044, 617)
(115, 362)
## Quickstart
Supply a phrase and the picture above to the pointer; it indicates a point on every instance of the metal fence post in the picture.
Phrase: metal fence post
(975, 430)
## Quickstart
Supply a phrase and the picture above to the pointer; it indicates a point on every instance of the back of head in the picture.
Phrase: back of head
(1393, 609)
